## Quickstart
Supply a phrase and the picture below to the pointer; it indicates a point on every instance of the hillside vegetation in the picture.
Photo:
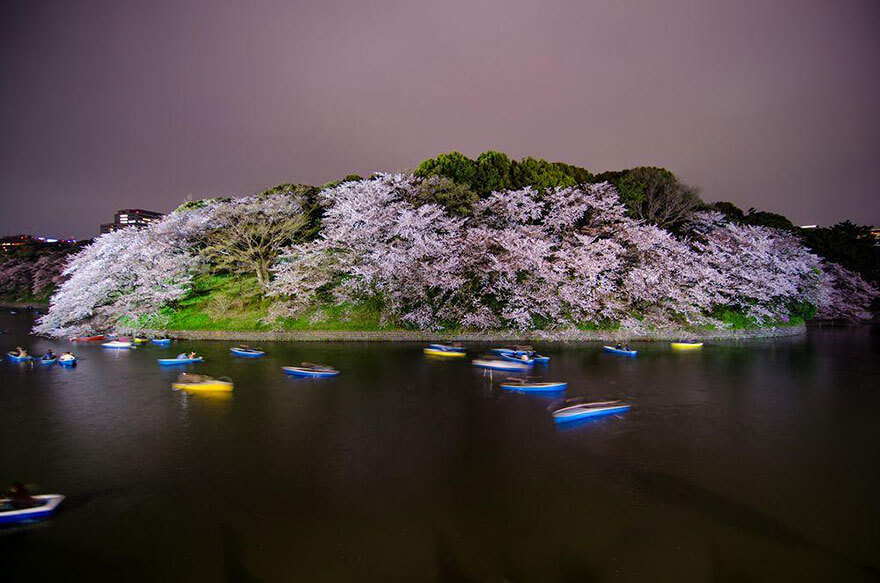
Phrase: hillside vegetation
(490, 243)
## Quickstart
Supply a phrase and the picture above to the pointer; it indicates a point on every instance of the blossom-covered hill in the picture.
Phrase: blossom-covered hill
(389, 251)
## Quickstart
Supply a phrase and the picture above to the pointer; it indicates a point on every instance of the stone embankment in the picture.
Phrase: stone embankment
(474, 336)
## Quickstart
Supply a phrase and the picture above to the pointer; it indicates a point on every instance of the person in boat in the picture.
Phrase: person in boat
(619, 346)
(192, 355)
(182, 356)
(190, 378)
(20, 352)
(20, 497)
(49, 355)
(67, 356)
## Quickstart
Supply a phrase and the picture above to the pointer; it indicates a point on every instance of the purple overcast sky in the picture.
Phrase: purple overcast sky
(108, 104)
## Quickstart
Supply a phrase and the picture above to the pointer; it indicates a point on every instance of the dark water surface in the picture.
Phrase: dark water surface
(750, 461)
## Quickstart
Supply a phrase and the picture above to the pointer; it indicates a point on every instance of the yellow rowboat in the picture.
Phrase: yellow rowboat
(445, 353)
(141, 340)
(189, 382)
(205, 386)
(686, 345)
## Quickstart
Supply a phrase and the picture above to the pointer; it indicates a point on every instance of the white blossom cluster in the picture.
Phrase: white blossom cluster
(555, 259)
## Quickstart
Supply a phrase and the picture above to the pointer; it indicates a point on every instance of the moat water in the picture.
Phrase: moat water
(744, 461)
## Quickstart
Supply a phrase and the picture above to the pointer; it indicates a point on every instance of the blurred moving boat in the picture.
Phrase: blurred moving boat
(170, 361)
(317, 371)
(45, 505)
(161, 341)
(47, 360)
(519, 357)
(141, 340)
(588, 410)
(686, 345)
(620, 351)
(518, 352)
(449, 347)
(530, 387)
(87, 338)
(197, 382)
(501, 364)
(14, 357)
(247, 352)
(120, 344)
(445, 351)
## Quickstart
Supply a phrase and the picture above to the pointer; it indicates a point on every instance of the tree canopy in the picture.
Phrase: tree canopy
(494, 171)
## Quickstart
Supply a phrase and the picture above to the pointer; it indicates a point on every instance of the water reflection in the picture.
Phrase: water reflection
(731, 457)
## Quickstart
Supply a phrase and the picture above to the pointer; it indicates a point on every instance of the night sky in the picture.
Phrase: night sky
(117, 104)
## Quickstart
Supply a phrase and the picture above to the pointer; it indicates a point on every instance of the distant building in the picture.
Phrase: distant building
(130, 218)
(11, 242)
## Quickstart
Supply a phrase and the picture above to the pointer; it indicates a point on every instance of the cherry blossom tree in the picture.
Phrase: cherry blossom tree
(129, 273)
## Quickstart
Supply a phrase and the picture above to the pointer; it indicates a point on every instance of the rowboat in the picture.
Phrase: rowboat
(191, 382)
(161, 341)
(500, 364)
(447, 347)
(527, 387)
(87, 338)
(504, 350)
(47, 504)
(588, 410)
(449, 352)
(141, 340)
(118, 344)
(523, 358)
(513, 353)
(67, 361)
(15, 358)
(311, 371)
(247, 352)
(686, 345)
(620, 351)
(172, 361)
(46, 360)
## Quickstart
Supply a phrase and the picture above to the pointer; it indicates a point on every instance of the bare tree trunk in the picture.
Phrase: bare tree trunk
(262, 274)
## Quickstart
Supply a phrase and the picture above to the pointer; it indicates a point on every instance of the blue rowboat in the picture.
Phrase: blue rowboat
(446, 347)
(518, 354)
(69, 362)
(501, 364)
(172, 361)
(47, 360)
(503, 350)
(524, 358)
(589, 410)
(313, 372)
(535, 387)
(161, 341)
(620, 351)
(247, 352)
(46, 505)
(15, 358)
